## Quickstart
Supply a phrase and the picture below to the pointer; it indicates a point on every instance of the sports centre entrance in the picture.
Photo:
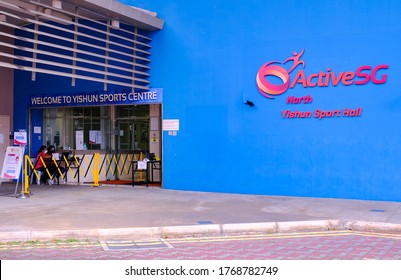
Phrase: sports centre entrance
(79, 77)
(120, 133)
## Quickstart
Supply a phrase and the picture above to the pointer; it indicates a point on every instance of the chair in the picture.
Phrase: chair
(155, 165)
(66, 155)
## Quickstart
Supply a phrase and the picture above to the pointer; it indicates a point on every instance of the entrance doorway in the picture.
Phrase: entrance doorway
(116, 132)
(137, 130)
(132, 128)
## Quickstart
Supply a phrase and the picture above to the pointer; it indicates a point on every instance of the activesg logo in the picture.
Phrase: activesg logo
(362, 75)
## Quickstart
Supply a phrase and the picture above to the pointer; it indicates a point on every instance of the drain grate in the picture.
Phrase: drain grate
(205, 222)
(124, 245)
(377, 210)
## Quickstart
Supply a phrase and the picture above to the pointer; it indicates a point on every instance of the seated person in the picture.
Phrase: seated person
(51, 167)
(41, 153)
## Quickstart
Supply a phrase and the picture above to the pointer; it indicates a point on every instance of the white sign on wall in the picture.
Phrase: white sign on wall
(171, 125)
(20, 138)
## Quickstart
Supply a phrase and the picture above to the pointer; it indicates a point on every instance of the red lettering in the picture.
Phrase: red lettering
(296, 100)
(383, 78)
(320, 80)
(348, 112)
(299, 79)
(312, 76)
(290, 99)
(327, 76)
(335, 80)
(320, 114)
(359, 74)
(323, 79)
(348, 78)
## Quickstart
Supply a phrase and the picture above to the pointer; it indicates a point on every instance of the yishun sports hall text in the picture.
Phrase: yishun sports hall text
(256, 97)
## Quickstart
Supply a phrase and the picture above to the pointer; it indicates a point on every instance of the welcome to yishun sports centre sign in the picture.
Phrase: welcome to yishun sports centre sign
(151, 96)
(361, 76)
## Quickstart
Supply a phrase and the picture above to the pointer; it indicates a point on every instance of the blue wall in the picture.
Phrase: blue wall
(206, 59)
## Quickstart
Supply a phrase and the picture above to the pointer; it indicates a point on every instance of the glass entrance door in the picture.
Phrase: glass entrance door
(132, 128)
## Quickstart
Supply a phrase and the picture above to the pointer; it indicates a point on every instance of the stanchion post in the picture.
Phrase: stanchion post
(24, 189)
(96, 170)
(26, 177)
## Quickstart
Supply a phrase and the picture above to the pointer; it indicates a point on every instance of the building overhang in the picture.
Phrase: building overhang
(111, 9)
(91, 9)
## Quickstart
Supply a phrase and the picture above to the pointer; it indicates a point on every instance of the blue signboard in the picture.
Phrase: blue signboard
(151, 96)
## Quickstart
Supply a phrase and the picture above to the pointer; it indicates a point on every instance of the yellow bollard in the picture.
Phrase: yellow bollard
(96, 170)
(140, 171)
(26, 177)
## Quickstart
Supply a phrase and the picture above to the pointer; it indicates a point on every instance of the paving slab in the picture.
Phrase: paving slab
(86, 212)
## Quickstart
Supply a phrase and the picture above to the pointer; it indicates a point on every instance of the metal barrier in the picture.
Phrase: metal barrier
(121, 161)
(52, 161)
(87, 166)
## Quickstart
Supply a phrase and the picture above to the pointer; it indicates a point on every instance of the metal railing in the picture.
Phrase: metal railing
(93, 167)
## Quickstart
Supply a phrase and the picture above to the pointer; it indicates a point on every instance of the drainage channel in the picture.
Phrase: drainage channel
(124, 245)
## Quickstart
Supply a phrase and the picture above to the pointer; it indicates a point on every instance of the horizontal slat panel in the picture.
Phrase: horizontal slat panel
(86, 49)
(68, 66)
(58, 73)
(79, 34)
(50, 17)
(68, 49)
(73, 15)
(73, 41)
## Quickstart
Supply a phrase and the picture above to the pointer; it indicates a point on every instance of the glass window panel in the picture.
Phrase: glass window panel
(62, 124)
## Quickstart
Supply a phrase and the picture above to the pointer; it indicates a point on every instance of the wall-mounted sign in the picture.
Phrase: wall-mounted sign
(37, 129)
(171, 125)
(361, 76)
(20, 138)
(97, 98)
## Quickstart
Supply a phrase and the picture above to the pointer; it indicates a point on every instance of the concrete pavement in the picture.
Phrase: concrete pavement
(115, 212)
